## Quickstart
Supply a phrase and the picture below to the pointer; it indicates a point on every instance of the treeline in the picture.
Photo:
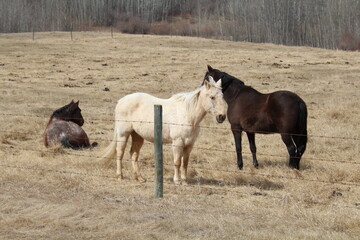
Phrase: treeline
(318, 23)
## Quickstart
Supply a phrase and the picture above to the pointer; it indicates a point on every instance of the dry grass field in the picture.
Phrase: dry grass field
(66, 194)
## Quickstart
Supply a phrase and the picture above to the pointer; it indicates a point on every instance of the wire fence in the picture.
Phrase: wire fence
(202, 168)
(179, 124)
(218, 188)
(206, 127)
(219, 150)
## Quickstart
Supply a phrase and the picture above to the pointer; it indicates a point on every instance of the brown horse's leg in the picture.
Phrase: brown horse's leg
(300, 142)
(251, 138)
(136, 144)
(237, 136)
(291, 147)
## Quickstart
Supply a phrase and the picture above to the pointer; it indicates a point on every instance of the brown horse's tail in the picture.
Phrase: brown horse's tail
(109, 152)
(301, 139)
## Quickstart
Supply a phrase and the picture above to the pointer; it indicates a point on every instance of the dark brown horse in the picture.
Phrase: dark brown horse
(64, 127)
(281, 112)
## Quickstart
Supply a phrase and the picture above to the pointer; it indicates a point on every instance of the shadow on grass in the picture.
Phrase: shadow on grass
(283, 163)
(259, 182)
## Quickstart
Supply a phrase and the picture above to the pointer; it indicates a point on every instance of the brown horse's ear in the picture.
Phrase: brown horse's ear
(74, 105)
(210, 69)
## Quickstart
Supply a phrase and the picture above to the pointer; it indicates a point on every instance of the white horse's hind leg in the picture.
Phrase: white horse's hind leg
(185, 162)
(120, 147)
(137, 142)
(178, 154)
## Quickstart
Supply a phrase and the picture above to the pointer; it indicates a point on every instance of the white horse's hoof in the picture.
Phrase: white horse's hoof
(119, 177)
(141, 180)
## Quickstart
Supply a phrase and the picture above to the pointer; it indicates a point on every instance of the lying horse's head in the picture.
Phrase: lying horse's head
(70, 112)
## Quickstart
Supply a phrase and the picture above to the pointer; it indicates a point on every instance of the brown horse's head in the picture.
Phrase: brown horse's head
(215, 75)
(211, 75)
(70, 112)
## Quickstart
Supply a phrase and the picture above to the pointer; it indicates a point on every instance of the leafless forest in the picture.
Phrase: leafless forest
(317, 23)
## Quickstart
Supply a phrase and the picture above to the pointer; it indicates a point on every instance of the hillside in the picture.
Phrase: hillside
(65, 194)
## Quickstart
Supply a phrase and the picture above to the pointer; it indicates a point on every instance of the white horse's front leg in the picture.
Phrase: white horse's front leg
(178, 153)
(186, 156)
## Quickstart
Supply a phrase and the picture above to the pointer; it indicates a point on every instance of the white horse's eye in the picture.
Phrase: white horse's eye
(212, 98)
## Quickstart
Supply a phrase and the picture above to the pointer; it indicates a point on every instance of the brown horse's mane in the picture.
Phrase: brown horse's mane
(227, 79)
(237, 85)
(59, 112)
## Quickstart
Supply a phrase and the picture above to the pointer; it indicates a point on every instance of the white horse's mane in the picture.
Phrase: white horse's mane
(190, 99)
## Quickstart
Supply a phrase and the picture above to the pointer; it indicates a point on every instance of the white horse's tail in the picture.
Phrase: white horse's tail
(110, 151)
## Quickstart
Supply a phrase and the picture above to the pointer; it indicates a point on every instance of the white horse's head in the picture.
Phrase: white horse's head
(212, 100)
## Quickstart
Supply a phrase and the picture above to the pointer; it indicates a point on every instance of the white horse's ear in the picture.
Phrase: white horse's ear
(207, 84)
(218, 83)
(211, 79)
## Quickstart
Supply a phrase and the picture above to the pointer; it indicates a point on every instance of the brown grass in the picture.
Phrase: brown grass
(65, 194)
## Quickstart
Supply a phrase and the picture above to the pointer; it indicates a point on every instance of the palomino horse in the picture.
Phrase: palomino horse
(64, 127)
(182, 114)
(281, 112)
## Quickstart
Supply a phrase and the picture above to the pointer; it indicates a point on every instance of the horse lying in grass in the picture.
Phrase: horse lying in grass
(281, 112)
(64, 127)
(182, 114)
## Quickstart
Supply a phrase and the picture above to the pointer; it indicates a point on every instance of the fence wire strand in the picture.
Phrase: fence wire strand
(221, 150)
(219, 189)
(203, 168)
(184, 125)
